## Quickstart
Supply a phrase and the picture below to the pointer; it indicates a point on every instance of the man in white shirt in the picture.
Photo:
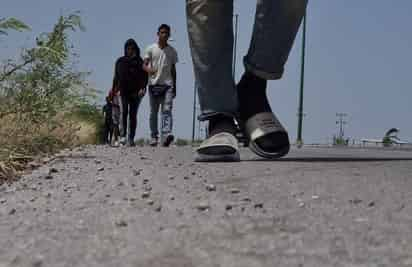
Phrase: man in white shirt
(160, 61)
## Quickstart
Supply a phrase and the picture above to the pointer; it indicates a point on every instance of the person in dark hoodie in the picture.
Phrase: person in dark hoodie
(131, 80)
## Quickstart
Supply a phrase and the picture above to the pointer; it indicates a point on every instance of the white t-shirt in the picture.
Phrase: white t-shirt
(161, 60)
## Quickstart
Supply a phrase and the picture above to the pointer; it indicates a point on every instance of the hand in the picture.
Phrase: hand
(148, 69)
(152, 71)
(141, 92)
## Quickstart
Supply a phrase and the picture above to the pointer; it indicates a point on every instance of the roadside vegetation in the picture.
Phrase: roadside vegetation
(45, 101)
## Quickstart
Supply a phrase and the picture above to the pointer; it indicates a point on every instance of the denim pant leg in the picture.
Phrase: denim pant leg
(210, 27)
(167, 118)
(276, 25)
(154, 110)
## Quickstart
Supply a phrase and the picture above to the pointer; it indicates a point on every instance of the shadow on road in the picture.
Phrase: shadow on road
(333, 159)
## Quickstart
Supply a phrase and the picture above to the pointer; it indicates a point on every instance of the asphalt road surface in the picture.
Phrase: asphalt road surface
(103, 206)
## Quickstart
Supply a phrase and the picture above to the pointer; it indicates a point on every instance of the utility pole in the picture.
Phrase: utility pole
(235, 47)
(341, 121)
(299, 140)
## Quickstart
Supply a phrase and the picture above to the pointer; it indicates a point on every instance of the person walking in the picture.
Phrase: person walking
(131, 80)
(160, 61)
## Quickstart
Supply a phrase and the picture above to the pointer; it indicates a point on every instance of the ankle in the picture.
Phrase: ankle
(221, 123)
(252, 96)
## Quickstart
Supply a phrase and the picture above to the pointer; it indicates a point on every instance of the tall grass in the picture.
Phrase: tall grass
(45, 103)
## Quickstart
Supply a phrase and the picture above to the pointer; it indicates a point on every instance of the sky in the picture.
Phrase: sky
(358, 59)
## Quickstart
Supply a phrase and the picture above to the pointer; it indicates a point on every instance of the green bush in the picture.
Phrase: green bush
(44, 99)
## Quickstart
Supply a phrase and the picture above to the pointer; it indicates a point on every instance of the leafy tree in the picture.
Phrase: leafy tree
(11, 24)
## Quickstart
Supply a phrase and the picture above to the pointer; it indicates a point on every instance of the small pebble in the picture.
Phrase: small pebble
(258, 206)
(355, 201)
(48, 177)
(147, 188)
(38, 262)
(202, 206)
(210, 187)
(53, 170)
(234, 191)
(158, 208)
(121, 223)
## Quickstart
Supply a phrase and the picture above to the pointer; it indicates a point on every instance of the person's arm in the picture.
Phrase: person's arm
(147, 68)
(147, 62)
(116, 82)
(174, 79)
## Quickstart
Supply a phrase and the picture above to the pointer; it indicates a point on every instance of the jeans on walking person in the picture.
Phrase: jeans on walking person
(164, 101)
(210, 27)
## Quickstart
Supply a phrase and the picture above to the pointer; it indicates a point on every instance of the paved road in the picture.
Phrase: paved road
(101, 206)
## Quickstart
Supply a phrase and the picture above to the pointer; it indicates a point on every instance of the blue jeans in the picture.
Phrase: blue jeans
(166, 101)
(210, 27)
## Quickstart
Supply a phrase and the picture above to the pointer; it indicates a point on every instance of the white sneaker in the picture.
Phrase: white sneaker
(153, 142)
(116, 144)
(123, 141)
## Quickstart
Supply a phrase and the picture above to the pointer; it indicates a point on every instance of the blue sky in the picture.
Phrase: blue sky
(358, 58)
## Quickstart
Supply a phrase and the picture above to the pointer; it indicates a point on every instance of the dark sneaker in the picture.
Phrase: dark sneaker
(168, 140)
(132, 144)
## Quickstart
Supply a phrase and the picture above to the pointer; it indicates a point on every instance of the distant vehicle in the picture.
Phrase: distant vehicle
(389, 139)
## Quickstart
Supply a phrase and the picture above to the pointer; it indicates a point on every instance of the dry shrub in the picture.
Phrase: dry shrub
(21, 141)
